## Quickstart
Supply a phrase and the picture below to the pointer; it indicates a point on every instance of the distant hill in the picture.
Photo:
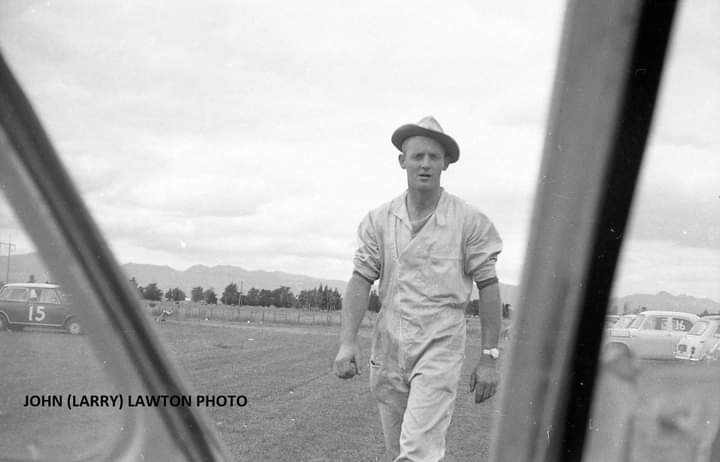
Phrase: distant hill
(666, 301)
(218, 277)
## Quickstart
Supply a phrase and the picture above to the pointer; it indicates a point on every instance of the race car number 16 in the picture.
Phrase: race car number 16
(37, 313)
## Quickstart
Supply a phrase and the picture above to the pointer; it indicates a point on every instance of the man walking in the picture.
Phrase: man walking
(427, 248)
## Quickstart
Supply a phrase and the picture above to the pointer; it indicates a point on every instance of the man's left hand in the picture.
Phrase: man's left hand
(484, 379)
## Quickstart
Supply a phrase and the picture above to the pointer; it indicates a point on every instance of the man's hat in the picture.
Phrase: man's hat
(430, 128)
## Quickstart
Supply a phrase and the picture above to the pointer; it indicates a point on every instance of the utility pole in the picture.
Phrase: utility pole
(10, 246)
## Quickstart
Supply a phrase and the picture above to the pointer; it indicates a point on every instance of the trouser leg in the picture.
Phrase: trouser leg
(391, 418)
(426, 421)
(391, 394)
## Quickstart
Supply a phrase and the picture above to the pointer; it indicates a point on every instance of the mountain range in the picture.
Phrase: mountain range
(218, 277)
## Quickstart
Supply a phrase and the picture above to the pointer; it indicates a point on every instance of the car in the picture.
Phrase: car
(700, 343)
(653, 334)
(37, 305)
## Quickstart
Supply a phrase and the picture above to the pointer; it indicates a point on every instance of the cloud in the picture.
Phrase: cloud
(257, 133)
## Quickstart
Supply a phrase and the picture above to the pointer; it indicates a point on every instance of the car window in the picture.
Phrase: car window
(655, 323)
(49, 296)
(624, 322)
(699, 328)
(658, 398)
(182, 182)
(683, 325)
(637, 322)
(16, 294)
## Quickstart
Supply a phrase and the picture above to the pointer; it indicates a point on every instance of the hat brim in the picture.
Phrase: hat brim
(452, 151)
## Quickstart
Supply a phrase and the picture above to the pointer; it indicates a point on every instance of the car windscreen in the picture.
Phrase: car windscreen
(637, 322)
(624, 322)
(699, 328)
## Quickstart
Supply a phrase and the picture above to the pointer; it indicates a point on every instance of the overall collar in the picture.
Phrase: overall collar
(399, 209)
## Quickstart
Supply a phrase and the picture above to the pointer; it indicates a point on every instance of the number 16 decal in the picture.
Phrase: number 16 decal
(37, 313)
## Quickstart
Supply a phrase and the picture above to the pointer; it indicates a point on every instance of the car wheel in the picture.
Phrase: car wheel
(3, 323)
(74, 327)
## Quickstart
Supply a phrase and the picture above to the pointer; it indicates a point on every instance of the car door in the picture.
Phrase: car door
(15, 304)
(654, 339)
(50, 305)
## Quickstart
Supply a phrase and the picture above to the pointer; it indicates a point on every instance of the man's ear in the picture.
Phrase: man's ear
(401, 160)
(447, 164)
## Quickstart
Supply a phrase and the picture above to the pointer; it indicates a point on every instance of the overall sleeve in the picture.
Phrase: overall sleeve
(482, 246)
(367, 262)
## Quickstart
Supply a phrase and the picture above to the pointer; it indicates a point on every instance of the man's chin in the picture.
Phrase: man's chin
(424, 186)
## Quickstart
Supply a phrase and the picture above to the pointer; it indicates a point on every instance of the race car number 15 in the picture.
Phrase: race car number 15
(37, 313)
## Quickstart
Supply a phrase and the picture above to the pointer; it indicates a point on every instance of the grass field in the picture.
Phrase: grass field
(297, 410)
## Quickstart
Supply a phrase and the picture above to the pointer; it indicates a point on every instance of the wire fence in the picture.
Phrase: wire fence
(252, 314)
(265, 315)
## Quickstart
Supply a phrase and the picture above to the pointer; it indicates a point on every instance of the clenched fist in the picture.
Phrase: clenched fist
(346, 361)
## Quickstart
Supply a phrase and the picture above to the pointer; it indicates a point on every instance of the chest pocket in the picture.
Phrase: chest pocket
(443, 271)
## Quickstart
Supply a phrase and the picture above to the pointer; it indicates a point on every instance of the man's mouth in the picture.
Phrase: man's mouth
(425, 176)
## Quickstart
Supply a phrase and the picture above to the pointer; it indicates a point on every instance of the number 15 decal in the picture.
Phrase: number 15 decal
(37, 313)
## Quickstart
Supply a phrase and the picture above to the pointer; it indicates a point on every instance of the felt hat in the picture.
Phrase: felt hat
(429, 127)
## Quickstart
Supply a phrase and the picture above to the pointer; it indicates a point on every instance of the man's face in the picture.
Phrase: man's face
(424, 160)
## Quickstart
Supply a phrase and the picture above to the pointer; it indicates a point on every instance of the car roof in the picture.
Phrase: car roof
(32, 285)
(668, 313)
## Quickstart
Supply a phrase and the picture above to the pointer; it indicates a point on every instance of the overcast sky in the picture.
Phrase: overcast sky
(257, 133)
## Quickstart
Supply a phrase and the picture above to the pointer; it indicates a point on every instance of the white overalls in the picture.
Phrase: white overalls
(419, 337)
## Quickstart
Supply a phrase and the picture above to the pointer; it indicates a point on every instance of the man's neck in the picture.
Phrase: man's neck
(421, 203)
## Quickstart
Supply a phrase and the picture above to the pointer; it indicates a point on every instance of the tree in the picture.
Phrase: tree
(152, 292)
(31, 278)
(253, 297)
(175, 295)
(210, 297)
(230, 295)
(136, 287)
(197, 294)
(265, 297)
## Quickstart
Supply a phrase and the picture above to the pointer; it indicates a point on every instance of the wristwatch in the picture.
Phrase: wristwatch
(494, 353)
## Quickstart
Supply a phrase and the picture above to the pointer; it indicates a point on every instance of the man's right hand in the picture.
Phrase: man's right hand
(346, 361)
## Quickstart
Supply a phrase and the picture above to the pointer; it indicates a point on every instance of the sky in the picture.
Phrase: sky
(256, 133)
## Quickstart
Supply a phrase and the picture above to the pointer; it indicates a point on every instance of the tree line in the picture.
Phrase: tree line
(322, 297)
